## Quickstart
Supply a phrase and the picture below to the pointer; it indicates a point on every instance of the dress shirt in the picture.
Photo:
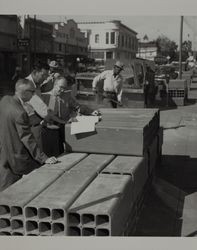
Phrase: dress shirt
(111, 83)
(36, 104)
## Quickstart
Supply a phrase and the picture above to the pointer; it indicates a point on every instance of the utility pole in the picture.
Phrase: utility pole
(34, 58)
(180, 48)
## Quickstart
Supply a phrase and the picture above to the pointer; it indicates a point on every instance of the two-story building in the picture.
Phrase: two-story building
(69, 42)
(8, 45)
(110, 40)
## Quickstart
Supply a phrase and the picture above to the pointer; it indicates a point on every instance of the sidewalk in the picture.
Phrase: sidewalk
(171, 208)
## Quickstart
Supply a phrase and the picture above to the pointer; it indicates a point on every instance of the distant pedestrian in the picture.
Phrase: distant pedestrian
(47, 85)
(113, 83)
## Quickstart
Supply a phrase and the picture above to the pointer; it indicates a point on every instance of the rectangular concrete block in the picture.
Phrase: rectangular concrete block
(65, 162)
(104, 206)
(94, 163)
(137, 167)
(128, 135)
(51, 205)
(14, 198)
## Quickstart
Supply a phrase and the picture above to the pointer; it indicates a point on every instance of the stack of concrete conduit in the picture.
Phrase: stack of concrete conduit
(177, 92)
(98, 189)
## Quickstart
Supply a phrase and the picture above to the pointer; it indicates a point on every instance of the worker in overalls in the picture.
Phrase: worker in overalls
(112, 87)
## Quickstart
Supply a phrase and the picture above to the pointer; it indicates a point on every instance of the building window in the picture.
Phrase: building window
(107, 37)
(72, 33)
(122, 41)
(126, 41)
(60, 47)
(129, 42)
(97, 38)
(112, 37)
(98, 55)
(109, 55)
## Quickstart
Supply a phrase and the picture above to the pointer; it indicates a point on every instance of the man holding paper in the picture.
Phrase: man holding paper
(60, 101)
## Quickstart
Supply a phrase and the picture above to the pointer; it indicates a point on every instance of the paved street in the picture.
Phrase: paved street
(170, 209)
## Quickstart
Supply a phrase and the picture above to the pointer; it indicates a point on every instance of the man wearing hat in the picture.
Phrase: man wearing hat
(112, 87)
(47, 85)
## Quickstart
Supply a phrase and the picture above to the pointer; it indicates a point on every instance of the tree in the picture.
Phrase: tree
(166, 47)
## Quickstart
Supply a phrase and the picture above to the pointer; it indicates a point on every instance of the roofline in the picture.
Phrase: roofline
(112, 21)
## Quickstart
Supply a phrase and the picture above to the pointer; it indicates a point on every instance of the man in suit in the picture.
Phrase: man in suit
(19, 152)
(65, 107)
(36, 109)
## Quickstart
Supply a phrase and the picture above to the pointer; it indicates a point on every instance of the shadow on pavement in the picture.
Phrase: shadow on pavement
(171, 207)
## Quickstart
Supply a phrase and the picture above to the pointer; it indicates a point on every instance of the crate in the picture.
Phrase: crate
(176, 93)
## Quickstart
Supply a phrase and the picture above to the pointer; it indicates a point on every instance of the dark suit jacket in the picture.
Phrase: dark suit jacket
(68, 106)
(19, 152)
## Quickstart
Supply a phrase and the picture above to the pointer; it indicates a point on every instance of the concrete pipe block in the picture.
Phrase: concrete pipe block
(94, 163)
(133, 135)
(108, 199)
(45, 228)
(17, 225)
(5, 211)
(45, 214)
(58, 214)
(31, 213)
(66, 162)
(74, 219)
(17, 234)
(88, 220)
(74, 231)
(58, 229)
(86, 231)
(102, 232)
(102, 220)
(4, 233)
(31, 227)
(16, 212)
(23, 191)
(5, 225)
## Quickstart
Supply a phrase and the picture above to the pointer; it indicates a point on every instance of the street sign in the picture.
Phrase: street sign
(23, 42)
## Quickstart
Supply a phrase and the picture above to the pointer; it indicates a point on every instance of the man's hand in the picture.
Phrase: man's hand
(51, 160)
(72, 119)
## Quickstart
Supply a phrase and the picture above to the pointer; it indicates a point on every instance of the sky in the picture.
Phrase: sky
(152, 26)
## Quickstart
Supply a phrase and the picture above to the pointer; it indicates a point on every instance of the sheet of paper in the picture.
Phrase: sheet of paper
(83, 118)
(85, 124)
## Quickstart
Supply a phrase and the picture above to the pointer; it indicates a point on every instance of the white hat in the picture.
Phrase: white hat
(53, 64)
(119, 65)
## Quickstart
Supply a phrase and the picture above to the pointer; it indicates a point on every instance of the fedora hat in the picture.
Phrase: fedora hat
(119, 65)
(53, 64)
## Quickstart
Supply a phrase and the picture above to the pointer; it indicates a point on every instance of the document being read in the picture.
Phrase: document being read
(84, 124)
